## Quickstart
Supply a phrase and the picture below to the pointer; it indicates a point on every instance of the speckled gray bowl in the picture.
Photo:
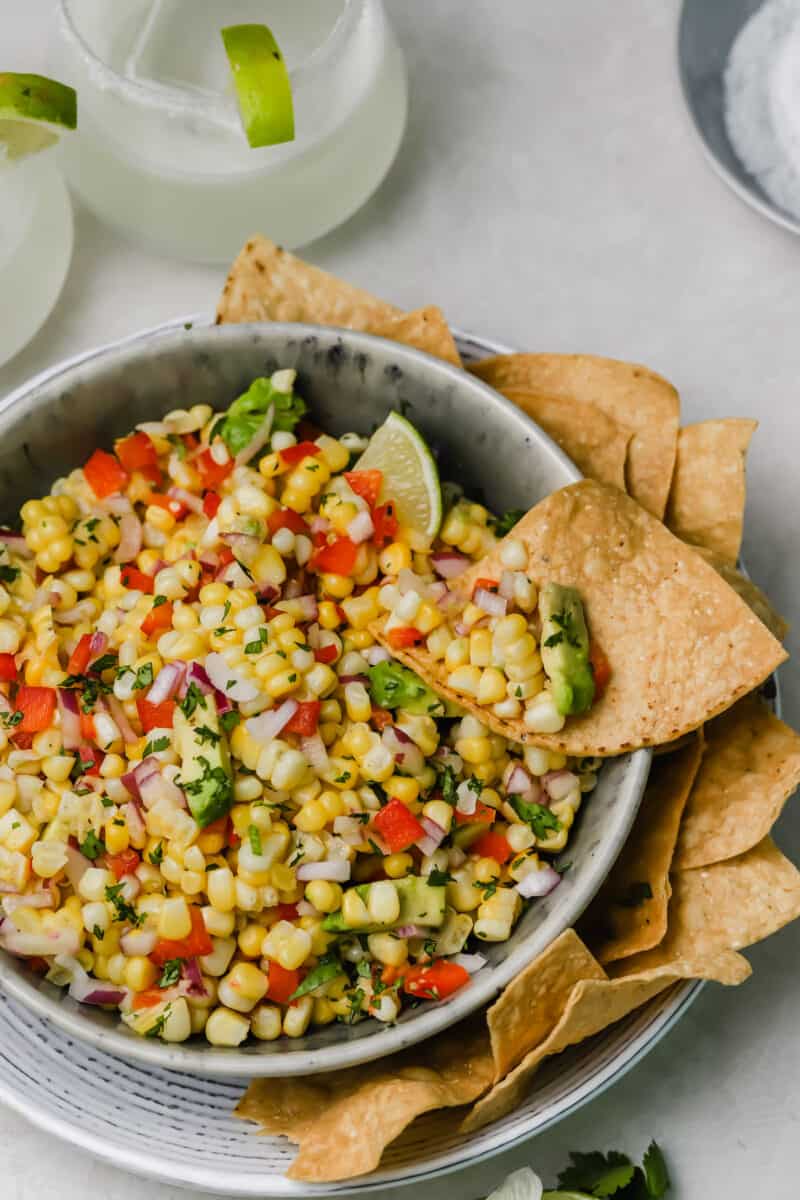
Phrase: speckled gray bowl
(351, 381)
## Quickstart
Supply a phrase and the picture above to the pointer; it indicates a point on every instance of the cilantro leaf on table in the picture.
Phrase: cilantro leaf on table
(656, 1175)
(596, 1173)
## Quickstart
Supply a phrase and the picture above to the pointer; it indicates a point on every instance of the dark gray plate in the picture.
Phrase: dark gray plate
(707, 30)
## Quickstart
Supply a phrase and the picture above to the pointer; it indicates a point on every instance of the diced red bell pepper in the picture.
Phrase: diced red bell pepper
(403, 637)
(105, 474)
(79, 659)
(136, 452)
(286, 912)
(385, 524)
(90, 759)
(295, 454)
(37, 705)
(436, 981)
(136, 580)
(190, 441)
(211, 502)
(366, 484)
(492, 845)
(155, 716)
(381, 717)
(601, 669)
(149, 998)
(196, 945)
(212, 474)
(488, 585)
(225, 556)
(397, 826)
(483, 815)
(8, 668)
(158, 620)
(22, 741)
(326, 654)
(124, 863)
(281, 984)
(88, 732)
(304, 722)
(336, 558)
(286, 518)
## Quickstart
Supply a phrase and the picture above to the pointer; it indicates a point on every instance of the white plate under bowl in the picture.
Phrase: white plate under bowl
(179, 1128)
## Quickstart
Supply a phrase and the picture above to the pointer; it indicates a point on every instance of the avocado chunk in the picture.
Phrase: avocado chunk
(421, 903)
(392, 685)
(565, 648)
(205, 761)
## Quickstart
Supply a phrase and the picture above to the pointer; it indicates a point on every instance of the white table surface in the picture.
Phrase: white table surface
(550, 193)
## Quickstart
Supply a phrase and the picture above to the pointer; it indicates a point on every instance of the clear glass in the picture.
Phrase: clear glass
(160, 152)
(35, 247)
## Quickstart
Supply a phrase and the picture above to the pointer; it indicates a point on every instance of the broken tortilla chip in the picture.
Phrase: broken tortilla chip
(752, 595)
(267, 283)
(725, 906)
(596, 444)
(706, 500)
(640, 402)
(751, 767)
(525, 1013)
(593, 1005)
(629, 913)
(681, 644)
(344, 1120)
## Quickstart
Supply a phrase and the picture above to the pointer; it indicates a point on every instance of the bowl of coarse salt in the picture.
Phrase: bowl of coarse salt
(739, 64)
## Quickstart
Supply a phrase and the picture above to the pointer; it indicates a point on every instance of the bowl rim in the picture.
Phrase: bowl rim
(224, 1063)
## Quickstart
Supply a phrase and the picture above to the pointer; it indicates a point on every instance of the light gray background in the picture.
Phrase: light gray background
(549, 193)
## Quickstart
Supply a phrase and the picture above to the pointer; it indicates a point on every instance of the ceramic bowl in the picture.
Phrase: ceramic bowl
(351, 382)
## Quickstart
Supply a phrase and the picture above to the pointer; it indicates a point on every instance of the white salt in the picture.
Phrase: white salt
(762, 100)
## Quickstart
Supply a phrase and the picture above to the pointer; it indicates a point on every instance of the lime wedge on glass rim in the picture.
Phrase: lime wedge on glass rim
(410, 477)
(34, 112)
(263, 90)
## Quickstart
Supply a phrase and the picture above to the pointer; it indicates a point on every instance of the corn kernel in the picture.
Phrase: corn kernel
(226, 1028)
(326, 897)
(174, 921)
(266, 1022)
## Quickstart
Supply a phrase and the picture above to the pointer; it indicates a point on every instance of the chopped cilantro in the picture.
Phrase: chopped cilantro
(105, 662)
(505, 523)
(229, 720)
(488, 889)
(541, 819)
(345, 777)
(254, 837)
(207, 736)
(613, 1174)
(98, 932)
(439, 878)
(170, 973)
(8, 574)
(156, 855)
(92, 846)
(158, 601)
(193, 698)
(376, 848)
(144, 677)
(123, 910)
(160, 1023)
(12, 719)
(156, 746)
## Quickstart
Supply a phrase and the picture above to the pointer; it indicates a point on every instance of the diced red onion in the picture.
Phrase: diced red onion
(354, 679)
(411, 931)
(187, 499)
(16, 543)
(97, 644)
(135, 820)
(361, 528)
(192, 978)
(404, 750)
(470, 962)
(438, 591)
(461, 629)
(337, 870)
(506, 586)
(517, 782)
(39, 945)
(121, 719)
(258, 440)
(306, 606)
(559, 784)
(119, 505)
(139, 775)
(77, 866)
(319, 524)
(244, 546)
(209, 559)
(31, 900)
(267, 594)
(434, 836)
(135, 942)
(158, 787)
(228, 681)
(87, 990)
(130, 538)
(167, 682)
(466, 799)
(407, 581)
(539, 883)
(70, 719)
(270, 724)
(449, 564)
(315, 751)
(304, 909)
(376, 654)
(293, 590)
(198, 676)
(490, 602)
(83, 611)
(349, 830)
(313, 636)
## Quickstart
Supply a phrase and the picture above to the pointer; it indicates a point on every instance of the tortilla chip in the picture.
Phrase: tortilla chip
(706, 501)
(752, 595)
(267, 283)
(725, 906)
(752, 766)
(629, 913)
(637, 400)
(594, 1004)
(344, 1120)
(681, 644)
(525, 1013)
(596, 444)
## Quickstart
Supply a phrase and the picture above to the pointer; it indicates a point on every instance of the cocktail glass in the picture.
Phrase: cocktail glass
(35, 247)
(161, 153)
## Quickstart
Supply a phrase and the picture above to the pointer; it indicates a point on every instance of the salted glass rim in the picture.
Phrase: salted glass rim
(110, 79)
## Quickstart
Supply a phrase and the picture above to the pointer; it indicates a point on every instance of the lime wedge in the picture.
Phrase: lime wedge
(263, 90)
(34, 112)
(410, 477)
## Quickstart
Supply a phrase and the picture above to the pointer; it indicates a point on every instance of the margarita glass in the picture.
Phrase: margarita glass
(161, 153)
(35, 246)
